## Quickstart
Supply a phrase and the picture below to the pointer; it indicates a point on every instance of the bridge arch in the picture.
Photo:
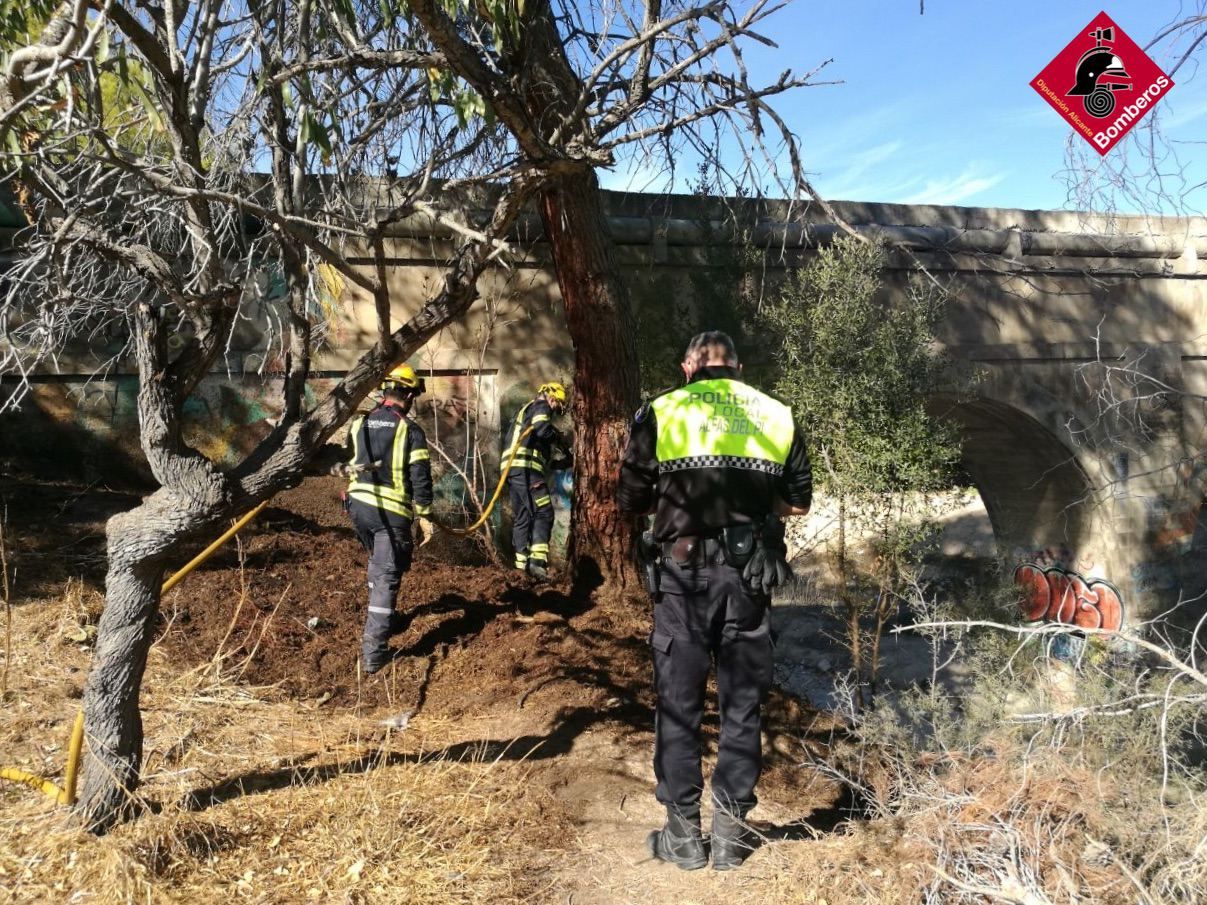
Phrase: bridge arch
(1036, 492)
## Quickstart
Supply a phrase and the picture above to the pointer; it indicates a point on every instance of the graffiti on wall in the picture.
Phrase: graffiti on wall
(1055, 594)
(561, 488)
(225, 418)
(1174, 531)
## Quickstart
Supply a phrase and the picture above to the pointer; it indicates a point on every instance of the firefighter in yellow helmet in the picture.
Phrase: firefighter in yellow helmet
(534, 436)
(391, 487)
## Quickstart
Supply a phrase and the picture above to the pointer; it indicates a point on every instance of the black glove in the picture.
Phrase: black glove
(563, 452)
(768, 567)
(561, 459)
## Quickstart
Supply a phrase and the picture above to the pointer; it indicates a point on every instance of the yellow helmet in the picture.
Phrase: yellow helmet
(554, 390)
(403, 379)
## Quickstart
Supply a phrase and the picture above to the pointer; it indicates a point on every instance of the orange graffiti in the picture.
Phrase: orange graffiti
(1058, 595)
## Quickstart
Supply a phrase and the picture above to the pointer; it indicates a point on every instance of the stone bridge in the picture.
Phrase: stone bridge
(1084, 428)
(1083, 432)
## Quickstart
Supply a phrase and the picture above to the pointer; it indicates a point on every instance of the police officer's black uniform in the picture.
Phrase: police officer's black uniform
(532, 436)
(711, 459)
(391, 485)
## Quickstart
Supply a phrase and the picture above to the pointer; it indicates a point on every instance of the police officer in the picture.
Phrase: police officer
(391, 487)
(717, 462)
(533, 437)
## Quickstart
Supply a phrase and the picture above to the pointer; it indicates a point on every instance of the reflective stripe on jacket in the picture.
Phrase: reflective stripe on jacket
(714, 453)
(533, 451)
(392, 462)
(722, 422)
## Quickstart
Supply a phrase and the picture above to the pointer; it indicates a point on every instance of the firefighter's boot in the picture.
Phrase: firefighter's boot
(680, 842)
(538, 569)
(732, 840)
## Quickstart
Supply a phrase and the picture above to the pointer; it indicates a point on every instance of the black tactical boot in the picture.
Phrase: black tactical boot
(376, 661)
(680, 842)
(538, 570)
(732, 840)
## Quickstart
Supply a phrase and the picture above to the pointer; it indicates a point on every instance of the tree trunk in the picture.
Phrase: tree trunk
(606, 379)
(139, 542)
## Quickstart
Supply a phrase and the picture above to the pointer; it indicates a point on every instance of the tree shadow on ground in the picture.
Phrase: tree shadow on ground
(275, 518)
(849, 807)
(592, 664)
(555, 743)
(472, 616)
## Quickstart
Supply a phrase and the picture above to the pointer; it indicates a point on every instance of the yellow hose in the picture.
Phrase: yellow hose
(37, 782)
(511, 454)
(66, 795)
(74, 750)
(210, 550)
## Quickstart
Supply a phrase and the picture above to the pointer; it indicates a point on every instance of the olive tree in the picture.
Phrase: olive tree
(858, 370)
(252, 136)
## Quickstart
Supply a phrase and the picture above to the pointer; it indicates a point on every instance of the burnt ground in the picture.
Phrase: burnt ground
(541, 673)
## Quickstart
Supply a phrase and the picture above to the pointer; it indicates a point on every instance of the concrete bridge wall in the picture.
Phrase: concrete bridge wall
(1083, 463)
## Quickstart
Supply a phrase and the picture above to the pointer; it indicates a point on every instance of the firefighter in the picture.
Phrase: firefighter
(533, 436)
(716, 462)
(391, 490)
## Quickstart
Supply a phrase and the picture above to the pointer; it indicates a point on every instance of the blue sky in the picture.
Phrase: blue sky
(937, 108)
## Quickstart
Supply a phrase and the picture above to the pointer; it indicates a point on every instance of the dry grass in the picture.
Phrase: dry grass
(256, 800)
(5, 590)
(1090, 804)
(417, 834)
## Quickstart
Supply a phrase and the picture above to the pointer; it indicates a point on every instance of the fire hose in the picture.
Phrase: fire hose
(490, 505)
(65, 795)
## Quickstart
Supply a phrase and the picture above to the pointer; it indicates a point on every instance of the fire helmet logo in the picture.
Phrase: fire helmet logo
(1100, 73)
(1102, 83)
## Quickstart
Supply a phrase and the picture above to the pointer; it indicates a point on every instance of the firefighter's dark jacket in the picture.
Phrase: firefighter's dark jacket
(535, 449)
(713, 453)
(401, 482)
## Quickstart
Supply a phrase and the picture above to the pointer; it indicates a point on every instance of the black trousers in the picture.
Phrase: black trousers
(387, 538)
(706, 613)
(532, 515)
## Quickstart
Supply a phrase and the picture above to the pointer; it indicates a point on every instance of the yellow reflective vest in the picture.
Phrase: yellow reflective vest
(711, 454)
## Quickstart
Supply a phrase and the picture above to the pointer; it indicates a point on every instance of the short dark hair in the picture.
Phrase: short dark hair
(400, 393)
(711, 344)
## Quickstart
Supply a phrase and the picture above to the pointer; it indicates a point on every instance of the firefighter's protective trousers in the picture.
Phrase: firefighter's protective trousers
(391, 484)
(532, 514)
(705, 612)
(387, 539)
(532, 436)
